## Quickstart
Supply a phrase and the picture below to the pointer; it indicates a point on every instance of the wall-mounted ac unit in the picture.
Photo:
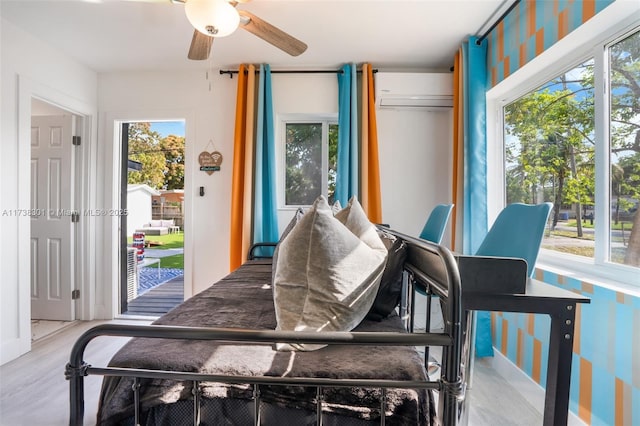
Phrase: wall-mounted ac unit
(414, 90)
(132, 273)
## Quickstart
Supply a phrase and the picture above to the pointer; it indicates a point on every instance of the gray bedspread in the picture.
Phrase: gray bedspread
(244, 299)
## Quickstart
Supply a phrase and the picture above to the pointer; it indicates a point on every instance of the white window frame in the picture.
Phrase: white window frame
(588, 41)
(301, 118)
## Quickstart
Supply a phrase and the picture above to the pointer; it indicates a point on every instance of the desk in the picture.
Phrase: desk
(560, 305)
(147, 261)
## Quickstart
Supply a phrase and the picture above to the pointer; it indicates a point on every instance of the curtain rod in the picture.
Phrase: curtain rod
(497, 22)
(232, 72)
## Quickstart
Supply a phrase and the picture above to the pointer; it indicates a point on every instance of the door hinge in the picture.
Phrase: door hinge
(75, 140)
(75, 217)
(75, 294)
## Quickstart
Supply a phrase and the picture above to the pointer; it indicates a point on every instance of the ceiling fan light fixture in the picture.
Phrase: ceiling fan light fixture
(215, 18)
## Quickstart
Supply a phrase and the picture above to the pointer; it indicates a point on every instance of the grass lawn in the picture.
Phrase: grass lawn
(163, 242)
(571, 234)
(175, 261)
(175, 240)
(627, 226)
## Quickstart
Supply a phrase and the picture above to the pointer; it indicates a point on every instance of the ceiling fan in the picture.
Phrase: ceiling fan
(219, 18)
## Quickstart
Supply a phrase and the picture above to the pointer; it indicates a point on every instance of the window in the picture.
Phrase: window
(310, 156)
(581, 151)
(550, 153)
(624, 149)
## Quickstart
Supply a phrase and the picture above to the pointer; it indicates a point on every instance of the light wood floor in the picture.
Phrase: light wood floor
(33, 390)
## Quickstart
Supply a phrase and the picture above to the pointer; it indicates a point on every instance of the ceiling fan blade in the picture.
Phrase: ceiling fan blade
(200, 46)
(138, 1)
(135, 1)
(271, 34)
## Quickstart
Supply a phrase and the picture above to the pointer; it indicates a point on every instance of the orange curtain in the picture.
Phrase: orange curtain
(242, 177)
(369, 161)
(458, 151)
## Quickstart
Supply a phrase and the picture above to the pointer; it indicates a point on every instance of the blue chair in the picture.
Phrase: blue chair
(517, 232)
(436, 223)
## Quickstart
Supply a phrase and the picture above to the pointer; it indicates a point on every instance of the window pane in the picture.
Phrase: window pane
(624, 101)
(550, 156)
(333, 162)
(303, 180)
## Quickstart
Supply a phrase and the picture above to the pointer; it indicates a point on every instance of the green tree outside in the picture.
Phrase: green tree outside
(162, 158)
(304, 174)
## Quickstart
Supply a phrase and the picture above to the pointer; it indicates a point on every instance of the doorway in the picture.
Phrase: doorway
(152, 231)
(53, 217)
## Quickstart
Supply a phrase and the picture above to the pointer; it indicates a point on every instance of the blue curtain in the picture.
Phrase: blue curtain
(475, 144)
(265, 219)
(347, 168)
(474, 57)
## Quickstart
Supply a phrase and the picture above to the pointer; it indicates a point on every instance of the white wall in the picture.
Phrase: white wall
(32, 69)
(415, 165)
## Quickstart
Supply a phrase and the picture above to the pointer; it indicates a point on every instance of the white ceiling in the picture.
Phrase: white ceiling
(112, 35)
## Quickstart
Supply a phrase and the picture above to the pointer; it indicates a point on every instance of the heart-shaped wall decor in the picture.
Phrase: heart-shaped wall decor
(210, 161)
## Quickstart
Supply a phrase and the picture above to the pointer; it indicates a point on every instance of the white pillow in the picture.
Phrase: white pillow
(354, 218)
(155, 223)
(325, 276)
(293, 222)
(336, 206)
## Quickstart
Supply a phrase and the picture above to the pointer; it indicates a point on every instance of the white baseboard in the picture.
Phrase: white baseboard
(525, 385)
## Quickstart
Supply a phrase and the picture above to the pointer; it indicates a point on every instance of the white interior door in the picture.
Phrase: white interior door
(51, 226)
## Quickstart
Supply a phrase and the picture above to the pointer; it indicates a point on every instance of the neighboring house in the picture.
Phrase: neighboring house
(169, 204)
(139, 206)
(169, 196)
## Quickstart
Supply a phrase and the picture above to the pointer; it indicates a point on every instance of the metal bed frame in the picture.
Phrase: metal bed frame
(427, 264)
